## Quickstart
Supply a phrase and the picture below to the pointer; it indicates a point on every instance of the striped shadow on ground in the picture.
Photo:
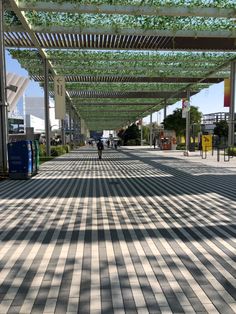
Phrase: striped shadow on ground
(131, 233)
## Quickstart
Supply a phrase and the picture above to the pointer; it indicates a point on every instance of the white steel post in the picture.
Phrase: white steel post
(46, 107)
(63, 131)
(141, 129)
(3, 100)
(150, 130)
(70, 122)
(188, 122)
(232, 104)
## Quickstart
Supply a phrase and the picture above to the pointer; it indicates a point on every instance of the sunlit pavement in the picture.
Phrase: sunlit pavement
(140, 231)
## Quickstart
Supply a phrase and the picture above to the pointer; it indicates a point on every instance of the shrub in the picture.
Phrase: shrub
(181, 146)
(67, 148)
(231, 151)
(57, 150)
(42, 150)
(81, 143)
(133, 142)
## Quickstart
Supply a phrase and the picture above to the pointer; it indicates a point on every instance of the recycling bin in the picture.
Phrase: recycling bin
(36, 143)
(35, 155)
(20, 159)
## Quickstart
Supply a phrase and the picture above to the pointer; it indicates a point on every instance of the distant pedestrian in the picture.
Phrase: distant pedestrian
(100, 148)
(154, 142)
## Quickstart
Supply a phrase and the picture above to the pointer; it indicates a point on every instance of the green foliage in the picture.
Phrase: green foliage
(181, 146)
(42, 150)
(175, 122)
(178, 124)
(131, 133)
(157, 3)
(146, 133)
(120, 133)
(133, 142)
(66, 148)
(58, 150)
(231, 151)
(221, 129)
(11, 18)
(118, 22)
(55, 150)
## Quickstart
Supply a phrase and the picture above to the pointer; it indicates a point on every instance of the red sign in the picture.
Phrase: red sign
(227, 93)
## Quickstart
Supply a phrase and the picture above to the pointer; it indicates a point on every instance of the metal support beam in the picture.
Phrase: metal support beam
(70, 122)
(74, 128)
(63, 138)
(231, 121)
(3, 100)
(135, 10)
(141, 132)
(165, 109)
(46, 108)
(79, 129)
(188, 123)
(150, 130)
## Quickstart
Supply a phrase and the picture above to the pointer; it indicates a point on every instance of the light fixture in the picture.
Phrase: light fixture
(13, 88)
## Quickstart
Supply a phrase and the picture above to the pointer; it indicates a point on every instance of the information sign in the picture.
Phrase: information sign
(60, 99)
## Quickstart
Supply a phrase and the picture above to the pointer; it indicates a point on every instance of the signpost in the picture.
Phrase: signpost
(60, 100)
(206, 143)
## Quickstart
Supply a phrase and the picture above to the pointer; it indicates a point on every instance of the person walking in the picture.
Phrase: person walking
(100, 148)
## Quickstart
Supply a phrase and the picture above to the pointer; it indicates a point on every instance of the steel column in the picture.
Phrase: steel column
(63, 132)
(151, 130)
(74, 127)
(165, 110)
(188, 122)
(141, 132)
(70, 122)
(232, 104)
(3, 100)
(46, 108)
(79, 128)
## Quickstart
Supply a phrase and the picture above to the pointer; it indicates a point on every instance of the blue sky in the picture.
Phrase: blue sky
(208, 100)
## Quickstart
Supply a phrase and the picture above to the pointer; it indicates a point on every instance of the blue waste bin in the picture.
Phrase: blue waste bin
(20, 160)
(35, 156)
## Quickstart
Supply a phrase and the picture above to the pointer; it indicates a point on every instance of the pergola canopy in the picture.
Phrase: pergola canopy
(123, 59)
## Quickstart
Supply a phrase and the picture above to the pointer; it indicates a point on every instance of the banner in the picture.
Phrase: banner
(227, 93)
(185, 107)
(60, 97)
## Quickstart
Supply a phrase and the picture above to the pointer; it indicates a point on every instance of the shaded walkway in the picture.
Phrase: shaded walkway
(134, 233)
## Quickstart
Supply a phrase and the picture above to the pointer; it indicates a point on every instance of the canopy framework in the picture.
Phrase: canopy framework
(104, 49)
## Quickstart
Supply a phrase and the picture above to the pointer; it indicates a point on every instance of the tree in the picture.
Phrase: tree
(178, 124)
(221, 129)
(146, 133)
(120, 133)
(131, 133)
(175, 122)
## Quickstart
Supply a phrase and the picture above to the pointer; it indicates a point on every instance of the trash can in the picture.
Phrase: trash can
(20, 159)
(35, 151)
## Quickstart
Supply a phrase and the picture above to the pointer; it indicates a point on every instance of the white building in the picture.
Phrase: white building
(34, 114)
(20, 84)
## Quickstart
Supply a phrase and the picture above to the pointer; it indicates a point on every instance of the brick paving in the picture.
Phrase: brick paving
(140, 231)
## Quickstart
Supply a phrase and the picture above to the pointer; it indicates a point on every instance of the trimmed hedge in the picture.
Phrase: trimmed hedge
(231, 151)
(55, 150)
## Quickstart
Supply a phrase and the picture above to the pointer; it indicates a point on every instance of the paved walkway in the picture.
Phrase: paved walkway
(139, 232)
